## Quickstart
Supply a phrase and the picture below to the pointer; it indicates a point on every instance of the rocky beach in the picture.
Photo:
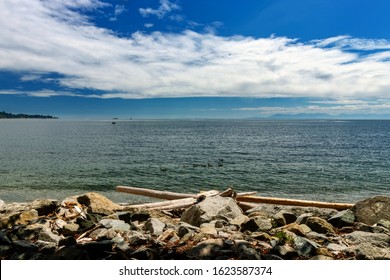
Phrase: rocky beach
(90, 226)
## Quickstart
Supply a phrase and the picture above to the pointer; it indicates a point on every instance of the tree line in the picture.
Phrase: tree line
(5, 115)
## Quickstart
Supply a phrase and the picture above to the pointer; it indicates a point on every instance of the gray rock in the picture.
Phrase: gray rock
(372, 210)
(283, 218)
(342, 219)
(303, 218)
(213, 208)
(70, 229)
(207, 249)
(368, 245)
(136, 238)
(154, 226)
(117, 225)
(47, 235)
(384, 223)
(257, 224)
(4, 240)
(319, 225)
(285, 250)
(25, 245)
(245, 252)
(336, 247)
(304, 246)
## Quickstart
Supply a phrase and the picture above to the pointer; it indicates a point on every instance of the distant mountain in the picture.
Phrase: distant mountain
(301, 116)
(5, 115)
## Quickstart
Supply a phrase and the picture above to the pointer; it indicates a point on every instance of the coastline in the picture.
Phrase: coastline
(90, 226)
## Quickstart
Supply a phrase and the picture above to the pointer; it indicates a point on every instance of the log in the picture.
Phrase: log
(154, 193)
(295, 202)
(166, 194)
(171, 204)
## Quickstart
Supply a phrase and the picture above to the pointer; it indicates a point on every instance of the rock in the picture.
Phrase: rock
(117, 225)
(370, 211)
(285, 250)
(47, 235)
(342, 219)
(336, 247)
(154, 226)
(136, 238)
(4, 240)
(304, 246)
(98, 203)
(384, 223)
(45, 206)
(25, 245)
(283, 218)
(301, 230)
(319, 225)
(245, 252)
(256, 224)
(70, 229)
(207, 249)
(67, 241)
(303, 218)
(370, 246)
(213, 208)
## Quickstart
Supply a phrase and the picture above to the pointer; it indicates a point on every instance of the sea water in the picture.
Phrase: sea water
(336, 161)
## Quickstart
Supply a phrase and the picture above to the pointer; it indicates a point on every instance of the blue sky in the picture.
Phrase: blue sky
(195, 59)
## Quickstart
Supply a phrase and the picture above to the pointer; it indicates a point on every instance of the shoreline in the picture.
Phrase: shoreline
(91, 226)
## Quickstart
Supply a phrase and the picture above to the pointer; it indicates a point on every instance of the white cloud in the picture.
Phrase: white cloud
(118, 10)
(55, 37)
(165, 7)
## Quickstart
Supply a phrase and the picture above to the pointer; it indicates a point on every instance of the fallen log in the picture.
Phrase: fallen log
(171, 204)
(294, 202)
(168, 195)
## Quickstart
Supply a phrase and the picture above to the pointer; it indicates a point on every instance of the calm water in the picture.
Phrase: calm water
(320, 160)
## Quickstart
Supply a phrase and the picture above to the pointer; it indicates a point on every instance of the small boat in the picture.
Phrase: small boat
(113, 122)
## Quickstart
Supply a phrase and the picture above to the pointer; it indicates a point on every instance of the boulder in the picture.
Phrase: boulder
(284, 217)
(370, 211)
(117, 225)
(342, 219)
(98, 203)
(257, 223)
(154, 226)
(304, 247)
(213, 208)
(368, 245)
(319, 225)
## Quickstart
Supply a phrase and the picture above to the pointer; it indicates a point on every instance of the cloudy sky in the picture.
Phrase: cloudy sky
(195, 59)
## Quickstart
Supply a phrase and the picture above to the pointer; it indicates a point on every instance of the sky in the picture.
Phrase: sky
(97, 59)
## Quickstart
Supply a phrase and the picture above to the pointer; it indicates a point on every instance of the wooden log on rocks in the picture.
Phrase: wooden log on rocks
(169, 195)
(294, 202)
(172, 204)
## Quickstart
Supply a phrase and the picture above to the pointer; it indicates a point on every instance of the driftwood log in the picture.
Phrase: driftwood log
(292, 202)
(245, 200)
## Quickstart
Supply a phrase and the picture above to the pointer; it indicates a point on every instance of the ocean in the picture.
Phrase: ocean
(335, 161)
